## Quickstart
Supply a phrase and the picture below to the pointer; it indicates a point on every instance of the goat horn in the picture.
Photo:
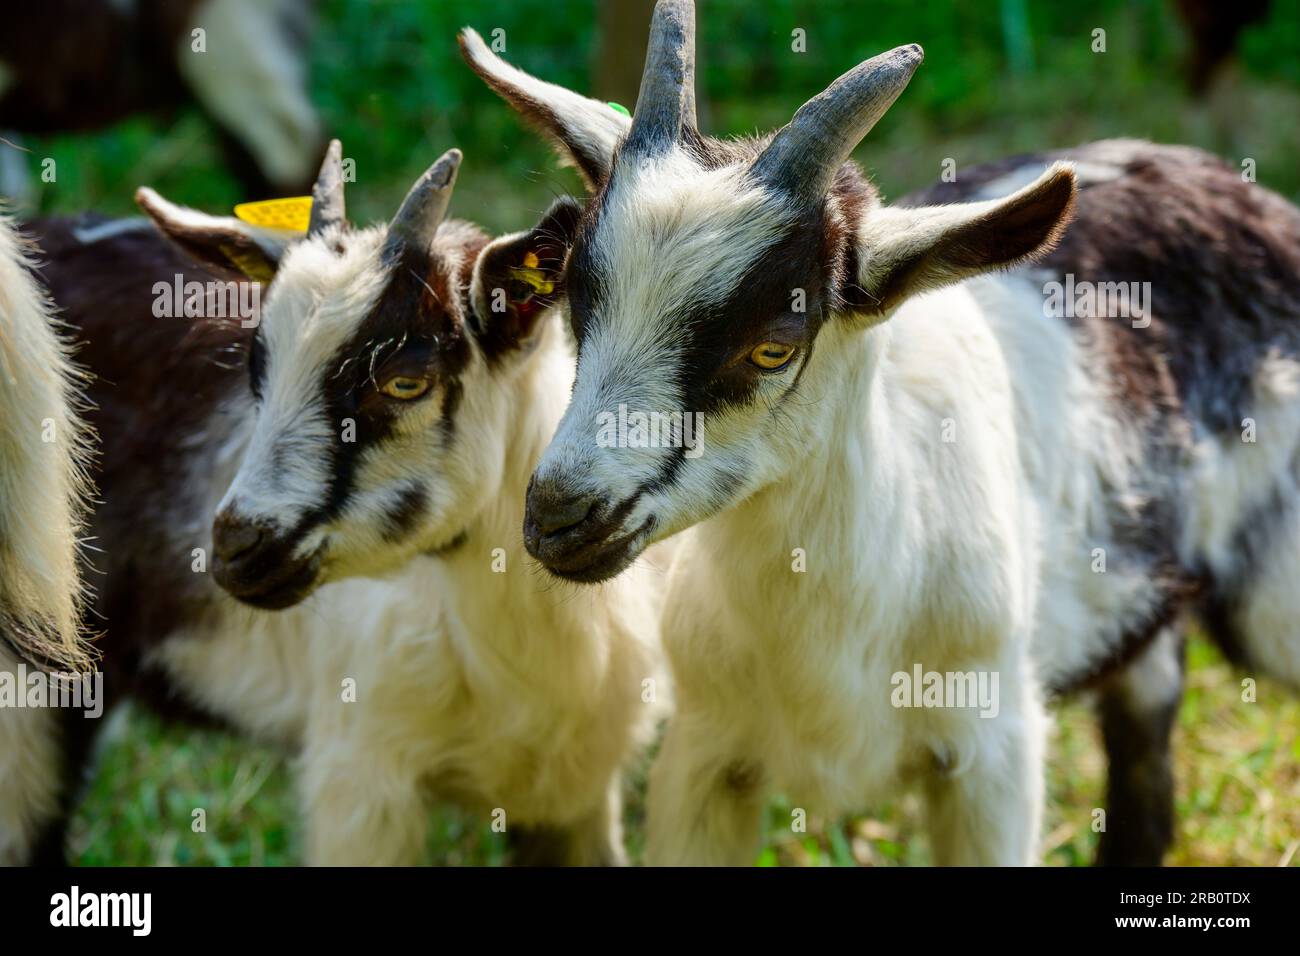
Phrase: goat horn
(327, 193)
(666, 103)
(807, 152)
(423, 209)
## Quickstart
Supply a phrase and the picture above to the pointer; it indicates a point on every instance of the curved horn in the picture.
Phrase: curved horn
(807, 152)
(422, 210)
(327, 193)
(666, 102)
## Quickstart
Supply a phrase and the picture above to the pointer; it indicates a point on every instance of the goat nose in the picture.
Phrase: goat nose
(233, 537)
(553, 510)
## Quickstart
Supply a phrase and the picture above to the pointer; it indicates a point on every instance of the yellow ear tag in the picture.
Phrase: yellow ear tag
(253, 266)
(530, 273)
(290, 215)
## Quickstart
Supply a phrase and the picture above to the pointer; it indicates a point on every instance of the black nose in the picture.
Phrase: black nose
(256, 563)
(234, 537)
(577, 535)
(554, 510)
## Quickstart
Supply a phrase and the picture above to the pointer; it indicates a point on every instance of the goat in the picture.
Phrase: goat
(449, 678)
(909, 461)
(43, 491)
(70, 66)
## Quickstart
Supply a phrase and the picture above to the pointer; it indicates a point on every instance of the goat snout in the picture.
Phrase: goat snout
(233, 538)
(258, 565)
(554, 511)
(579, 535)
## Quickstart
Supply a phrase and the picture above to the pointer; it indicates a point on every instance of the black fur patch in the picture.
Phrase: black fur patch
(416, 327)
(404, 515)
(1140, 781)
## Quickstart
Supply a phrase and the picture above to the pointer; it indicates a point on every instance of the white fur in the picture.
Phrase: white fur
(927, 561)
(30, 779)
(42, 478)
(1232, 480)
(42, 490)
(1074, 456)
(1152, 685)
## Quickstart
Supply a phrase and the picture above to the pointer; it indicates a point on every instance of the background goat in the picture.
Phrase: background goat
(702, 276)
(71, 66)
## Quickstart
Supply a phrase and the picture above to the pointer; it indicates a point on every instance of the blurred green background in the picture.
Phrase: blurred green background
(999, 77)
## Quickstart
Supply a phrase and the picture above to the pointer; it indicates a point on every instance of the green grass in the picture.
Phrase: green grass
(1238, 798)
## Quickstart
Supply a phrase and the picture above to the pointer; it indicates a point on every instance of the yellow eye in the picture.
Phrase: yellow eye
(771, 356)
(399, 386)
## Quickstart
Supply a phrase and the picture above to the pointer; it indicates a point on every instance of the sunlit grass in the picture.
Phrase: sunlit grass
(1238, 767)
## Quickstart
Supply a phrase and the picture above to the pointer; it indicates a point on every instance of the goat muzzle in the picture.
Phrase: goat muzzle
(258, 566)
(580, 536)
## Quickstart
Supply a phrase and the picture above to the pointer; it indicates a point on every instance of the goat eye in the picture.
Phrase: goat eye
(772, 356)
(401, 387)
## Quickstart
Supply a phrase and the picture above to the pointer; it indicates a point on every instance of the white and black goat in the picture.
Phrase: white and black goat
(404, 381)
(70, 66)
(43, 488)
(908, 465)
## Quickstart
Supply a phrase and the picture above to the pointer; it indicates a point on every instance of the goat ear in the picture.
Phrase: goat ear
(221, 242)
(517, 278)
(586, 131)
(903, 251)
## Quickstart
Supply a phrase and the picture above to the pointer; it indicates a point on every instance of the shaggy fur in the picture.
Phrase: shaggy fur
(43, 483)
(43, 487)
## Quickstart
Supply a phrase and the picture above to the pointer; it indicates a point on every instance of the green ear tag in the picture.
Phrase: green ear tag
(618, 108)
